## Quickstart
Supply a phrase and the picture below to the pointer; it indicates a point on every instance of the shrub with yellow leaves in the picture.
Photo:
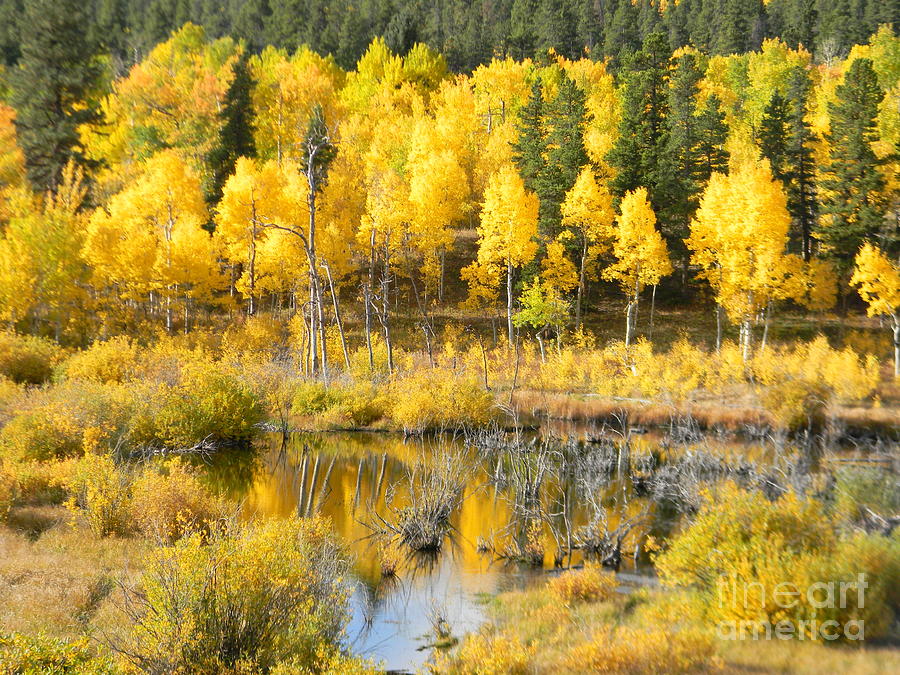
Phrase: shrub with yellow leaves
(210, 400)
(27, 359)
(114, 360)
(486, 653)
(589, 584)
(796, 404)
(244, 598)
(8, 488)
(630, 651)
(20, 653)
(742, 547)
(257, 335)
(101, 493)
(169, 501)
(440, 399)
(41, 483)
(66, 421)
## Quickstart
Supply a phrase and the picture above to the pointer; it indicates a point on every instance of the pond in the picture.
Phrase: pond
(362, 483)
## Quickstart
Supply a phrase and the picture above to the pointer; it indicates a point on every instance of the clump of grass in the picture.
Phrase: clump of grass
(432, 495)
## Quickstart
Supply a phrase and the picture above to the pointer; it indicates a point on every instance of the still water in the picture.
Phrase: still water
(351, 478)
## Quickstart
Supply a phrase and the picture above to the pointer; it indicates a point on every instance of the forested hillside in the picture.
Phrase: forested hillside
(208, 175)
(470, 32)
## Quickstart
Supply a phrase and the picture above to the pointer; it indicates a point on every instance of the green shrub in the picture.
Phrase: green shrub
(862, 489)
(65, 421)
(357, 406)
(210, 401)
(26, 359)
(43, 655)
(313, 398)
(244, 598)
(114, 360)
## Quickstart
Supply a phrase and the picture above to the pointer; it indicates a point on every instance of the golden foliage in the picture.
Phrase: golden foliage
(629, 651)
(114, 360)
(27, 359)
(590, 584)
(484, 653)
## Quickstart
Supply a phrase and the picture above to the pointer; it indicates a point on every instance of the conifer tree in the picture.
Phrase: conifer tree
(802, 199)
(712, 132)
(637, 154)
(852, 183)
(530, 145)
(772, 136)
(52, 87)
(566, 119)
(236, 133)
(677, 182)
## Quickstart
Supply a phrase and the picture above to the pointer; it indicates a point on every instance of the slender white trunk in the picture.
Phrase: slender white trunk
(509, 301)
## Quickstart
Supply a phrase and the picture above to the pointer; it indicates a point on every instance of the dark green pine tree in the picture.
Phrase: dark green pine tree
(852, 184)
(676, 190)
(565, 119)
(236, 135)
(52, 87)
(772, 136)
(10, 14)
(556, 27)
(639, 149)
(802, 200)
(521, 37)
(531, 144)
(712, 132)
(800, 20)
(622, 35)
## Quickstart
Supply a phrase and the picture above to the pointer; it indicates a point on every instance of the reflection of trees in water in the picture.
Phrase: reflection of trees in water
(564, 499)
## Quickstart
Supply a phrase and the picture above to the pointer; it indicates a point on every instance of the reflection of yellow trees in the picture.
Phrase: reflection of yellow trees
(343, 476)
(364, 469)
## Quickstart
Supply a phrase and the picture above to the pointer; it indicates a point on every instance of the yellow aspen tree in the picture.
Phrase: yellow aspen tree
(508, 229)
(382, 230)
(305, 181)
(149, 239)
(557, 271)
(877, 279)
(587, 216)
(738, 237)
(602, 102)
(438, 190)
(286, 88)
(340, 212)
(172, 99)
(251, 197)
(12, 161)
(377, 70)
(641, 254)
(501, 87)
